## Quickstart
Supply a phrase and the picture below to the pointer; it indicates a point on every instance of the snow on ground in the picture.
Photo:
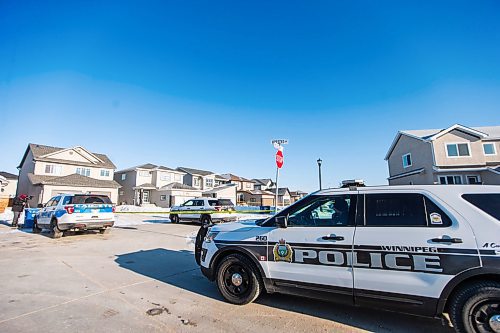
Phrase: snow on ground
(7, 216)
(138, 209)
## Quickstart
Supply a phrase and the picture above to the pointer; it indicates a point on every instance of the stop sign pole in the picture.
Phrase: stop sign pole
(278, 144)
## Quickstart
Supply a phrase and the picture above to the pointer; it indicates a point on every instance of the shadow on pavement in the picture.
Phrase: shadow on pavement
(178, 268)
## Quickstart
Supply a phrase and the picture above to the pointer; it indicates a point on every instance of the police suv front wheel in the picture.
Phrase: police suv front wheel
(238, 280)
(476, 308)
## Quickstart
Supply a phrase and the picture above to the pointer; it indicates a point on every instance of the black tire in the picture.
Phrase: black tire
(104, 231)
(174, 218)
(54, 230)
(472, 307)
(250, 286)
(36, 229)
(206, 220)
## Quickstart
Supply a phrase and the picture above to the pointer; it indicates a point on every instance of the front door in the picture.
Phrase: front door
(314, 252)
(145, 196)
(409, 246)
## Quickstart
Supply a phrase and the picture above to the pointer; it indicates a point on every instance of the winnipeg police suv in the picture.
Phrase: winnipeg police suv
(75, 212)
(423, 250)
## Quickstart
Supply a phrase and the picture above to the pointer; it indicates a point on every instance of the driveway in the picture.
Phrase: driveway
(143, 277)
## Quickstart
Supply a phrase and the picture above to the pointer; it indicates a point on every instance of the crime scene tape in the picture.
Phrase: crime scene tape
(205, 212)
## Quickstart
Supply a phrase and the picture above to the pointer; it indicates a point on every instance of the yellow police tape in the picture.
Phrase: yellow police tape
(204, 212)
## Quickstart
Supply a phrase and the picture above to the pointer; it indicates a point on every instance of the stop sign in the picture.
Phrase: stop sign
(279, 159)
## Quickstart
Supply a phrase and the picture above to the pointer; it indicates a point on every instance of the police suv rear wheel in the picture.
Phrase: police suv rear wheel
(238, 280)
(476, 308)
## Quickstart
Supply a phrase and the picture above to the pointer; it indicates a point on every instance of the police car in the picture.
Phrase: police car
(203, 210)
(424, 250)
(75, 212)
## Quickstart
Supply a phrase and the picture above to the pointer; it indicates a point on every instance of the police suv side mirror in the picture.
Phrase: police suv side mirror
(281, 221)
(39, 205)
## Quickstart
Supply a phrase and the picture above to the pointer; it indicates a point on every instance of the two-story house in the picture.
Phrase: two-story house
(263, 184)
(47, 171)
(8, 186)
(454, 155)
(152, 184)
(199, 179)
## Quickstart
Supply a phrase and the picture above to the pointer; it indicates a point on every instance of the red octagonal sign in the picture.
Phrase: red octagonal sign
(279, 159)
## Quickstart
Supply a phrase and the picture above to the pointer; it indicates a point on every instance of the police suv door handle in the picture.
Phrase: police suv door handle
(447, 240)
(333, 237)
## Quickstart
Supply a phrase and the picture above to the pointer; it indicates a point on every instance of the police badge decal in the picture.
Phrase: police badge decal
(282, 251)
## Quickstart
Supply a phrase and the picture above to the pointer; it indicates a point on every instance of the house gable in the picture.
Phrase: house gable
(75, 154)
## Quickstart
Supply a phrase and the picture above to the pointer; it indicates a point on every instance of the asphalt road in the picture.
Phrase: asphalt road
(144, 278)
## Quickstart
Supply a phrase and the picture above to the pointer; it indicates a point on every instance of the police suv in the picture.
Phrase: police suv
(424, 250)
(75, 212)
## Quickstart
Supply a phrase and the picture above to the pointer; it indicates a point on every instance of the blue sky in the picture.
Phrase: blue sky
(208, 84)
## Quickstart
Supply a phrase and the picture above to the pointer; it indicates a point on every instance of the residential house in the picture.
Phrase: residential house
(263, 184)
(243, 186)
(284, 197)
(224, 191)
(8, 186)
(256, 198)
(297, 195)
(199, 179)
(47, 171)
(454, 155)
(152, 184)
(219, 180)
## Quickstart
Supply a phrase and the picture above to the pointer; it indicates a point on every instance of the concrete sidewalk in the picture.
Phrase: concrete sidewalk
(108, 283)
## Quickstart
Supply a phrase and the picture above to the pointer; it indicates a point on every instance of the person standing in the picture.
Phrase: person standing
(18, 207)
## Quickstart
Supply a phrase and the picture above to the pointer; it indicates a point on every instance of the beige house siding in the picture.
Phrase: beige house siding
(24, 185)
(66, 169)
(126, 192)
(476, 150)
(10, 189)
(421, 157)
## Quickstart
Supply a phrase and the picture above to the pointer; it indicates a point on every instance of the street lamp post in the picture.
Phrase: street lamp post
(319, 170)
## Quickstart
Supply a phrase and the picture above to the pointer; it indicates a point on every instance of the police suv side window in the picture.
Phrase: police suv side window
(55, 201)
(324, 211)
(395, 210)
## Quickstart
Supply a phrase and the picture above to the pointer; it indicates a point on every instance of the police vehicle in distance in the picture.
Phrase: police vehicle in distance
(203, 210)
(423, 250)
(75, 212)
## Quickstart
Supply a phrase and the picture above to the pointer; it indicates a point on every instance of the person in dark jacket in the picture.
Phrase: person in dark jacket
(18, 207)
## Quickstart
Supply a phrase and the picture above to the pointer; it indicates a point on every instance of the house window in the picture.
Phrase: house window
(457, 149)
(196, 181)
(144, 173)
(449, 180)
(253, 200)
(248, 185)
(122, 192)
(473, 180)
(209, 182)
(165, 177)
(163, 198)
(124, 176)
(83, 171)
(406, 160)
(53, 169)
(489, 149)
(104, 173)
